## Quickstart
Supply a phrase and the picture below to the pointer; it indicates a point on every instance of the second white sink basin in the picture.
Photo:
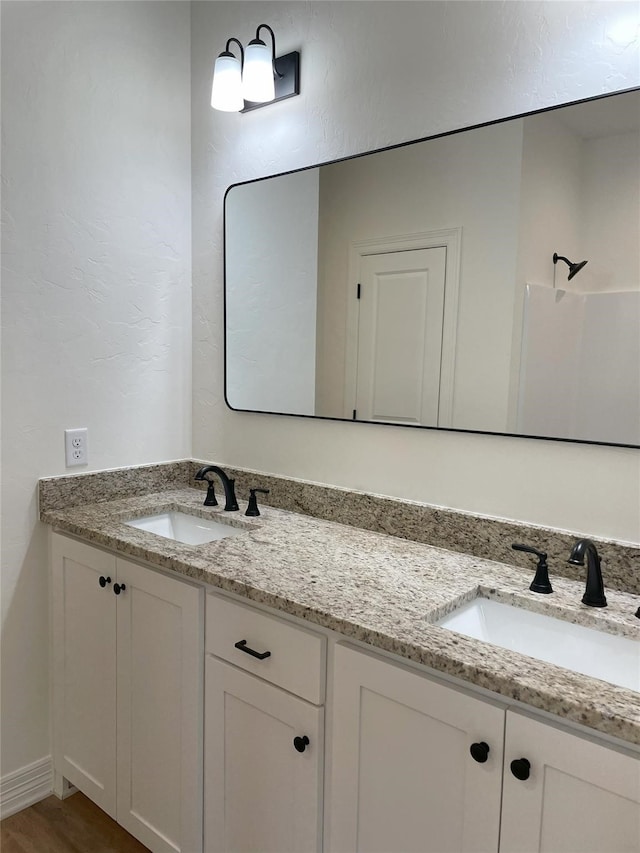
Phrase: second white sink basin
(186, 528)
(610, 657)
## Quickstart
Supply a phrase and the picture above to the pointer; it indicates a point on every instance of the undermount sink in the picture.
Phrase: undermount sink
(610, 657)
(182, 527)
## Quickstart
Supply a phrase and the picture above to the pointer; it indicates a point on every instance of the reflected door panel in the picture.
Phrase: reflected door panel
(400, 337)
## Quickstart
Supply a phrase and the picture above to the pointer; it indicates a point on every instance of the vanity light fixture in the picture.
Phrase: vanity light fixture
(256, 79)
(226, 91)
(574, 269)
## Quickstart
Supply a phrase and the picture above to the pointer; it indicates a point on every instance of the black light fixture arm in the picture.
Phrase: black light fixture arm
(273, 41)
(228, 52)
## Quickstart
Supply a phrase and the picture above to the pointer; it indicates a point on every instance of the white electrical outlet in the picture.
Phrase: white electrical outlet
(75, 447)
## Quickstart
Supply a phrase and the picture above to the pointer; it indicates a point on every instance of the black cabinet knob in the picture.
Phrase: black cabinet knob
(521, 768)
(103, 581)
(479, 751)
(301, 743)
(118, 588)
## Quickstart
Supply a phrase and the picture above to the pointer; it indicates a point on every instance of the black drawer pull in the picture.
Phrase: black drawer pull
(243, 647)
(119, 587)
(103, 581)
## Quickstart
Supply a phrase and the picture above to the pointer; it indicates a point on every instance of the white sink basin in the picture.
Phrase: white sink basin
(185, 528)
(608, 656)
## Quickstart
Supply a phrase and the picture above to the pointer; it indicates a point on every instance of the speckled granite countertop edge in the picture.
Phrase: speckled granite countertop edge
(377, 589)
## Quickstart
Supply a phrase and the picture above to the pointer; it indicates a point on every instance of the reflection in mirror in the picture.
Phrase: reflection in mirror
(417, 285)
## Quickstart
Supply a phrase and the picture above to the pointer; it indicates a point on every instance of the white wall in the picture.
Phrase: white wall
(580, 371)
(552, 201)
(608, 402)
(552, 339)
(549, 221)
(96, 283)
(272, 287)
(374, 74)
(611, 184)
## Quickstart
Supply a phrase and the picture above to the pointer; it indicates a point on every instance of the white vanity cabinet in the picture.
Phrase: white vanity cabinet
(127, 692)
(417, 763)
(580, 796)
(403, 776)
(264, 732)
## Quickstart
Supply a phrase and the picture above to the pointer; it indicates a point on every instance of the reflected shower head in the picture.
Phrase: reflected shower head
(574, 269)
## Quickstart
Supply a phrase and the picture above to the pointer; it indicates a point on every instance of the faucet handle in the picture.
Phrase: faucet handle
(529, 550)
(201, 475)
(541, 582)
(252, 508)
(210, 499)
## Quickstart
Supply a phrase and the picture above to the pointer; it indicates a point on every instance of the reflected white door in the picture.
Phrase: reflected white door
(401, 305)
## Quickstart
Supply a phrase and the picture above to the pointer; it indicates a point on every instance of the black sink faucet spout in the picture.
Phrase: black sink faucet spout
(231, 504)
(594, 592)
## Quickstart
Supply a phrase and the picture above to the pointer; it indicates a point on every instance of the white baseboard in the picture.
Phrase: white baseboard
(26, 786)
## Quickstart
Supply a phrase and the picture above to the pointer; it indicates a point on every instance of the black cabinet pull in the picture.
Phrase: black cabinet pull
(301, 743)
(521, 768)
(479, 751)
(118, 588)
(242, 646)
(103, 581)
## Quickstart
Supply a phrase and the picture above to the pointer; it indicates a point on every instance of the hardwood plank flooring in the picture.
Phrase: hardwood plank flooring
(74, 825)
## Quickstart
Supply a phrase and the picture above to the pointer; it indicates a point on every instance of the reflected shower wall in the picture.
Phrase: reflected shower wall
(580, 365)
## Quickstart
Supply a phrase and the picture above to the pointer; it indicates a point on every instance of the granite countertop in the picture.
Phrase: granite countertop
(378, 589)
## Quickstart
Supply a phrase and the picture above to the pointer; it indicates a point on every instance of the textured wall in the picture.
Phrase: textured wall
(96, 283)
(374, 74)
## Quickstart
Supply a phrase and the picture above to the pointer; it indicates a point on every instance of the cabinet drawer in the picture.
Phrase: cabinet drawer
(296, 659)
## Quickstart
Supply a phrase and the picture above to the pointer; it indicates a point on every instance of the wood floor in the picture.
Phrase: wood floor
(74, 825)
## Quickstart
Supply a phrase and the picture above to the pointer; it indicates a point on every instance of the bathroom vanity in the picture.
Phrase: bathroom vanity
(286, 689)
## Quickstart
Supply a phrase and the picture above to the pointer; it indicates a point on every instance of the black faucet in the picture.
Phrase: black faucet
(594, 592)
(231, 503)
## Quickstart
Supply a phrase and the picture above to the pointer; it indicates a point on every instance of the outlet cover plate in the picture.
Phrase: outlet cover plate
(75, 447)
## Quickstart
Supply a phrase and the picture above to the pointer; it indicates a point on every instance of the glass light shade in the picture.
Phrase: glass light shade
(226, 91)
(257, 75)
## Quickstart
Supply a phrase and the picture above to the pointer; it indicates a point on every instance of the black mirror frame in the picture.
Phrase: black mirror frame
(454, 132)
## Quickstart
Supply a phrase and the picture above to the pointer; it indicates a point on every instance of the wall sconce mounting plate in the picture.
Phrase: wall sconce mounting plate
(287, 81)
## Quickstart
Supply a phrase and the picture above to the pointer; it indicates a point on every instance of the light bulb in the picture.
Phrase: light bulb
(226, 91)
(257, 75)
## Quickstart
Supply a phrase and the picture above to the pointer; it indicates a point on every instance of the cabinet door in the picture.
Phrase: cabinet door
(160, 654)
(580, 797)
(84, 662)
(261, 794)
(403, 778)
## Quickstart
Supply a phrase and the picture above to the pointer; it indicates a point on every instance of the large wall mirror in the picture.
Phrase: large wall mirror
(417, 285)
